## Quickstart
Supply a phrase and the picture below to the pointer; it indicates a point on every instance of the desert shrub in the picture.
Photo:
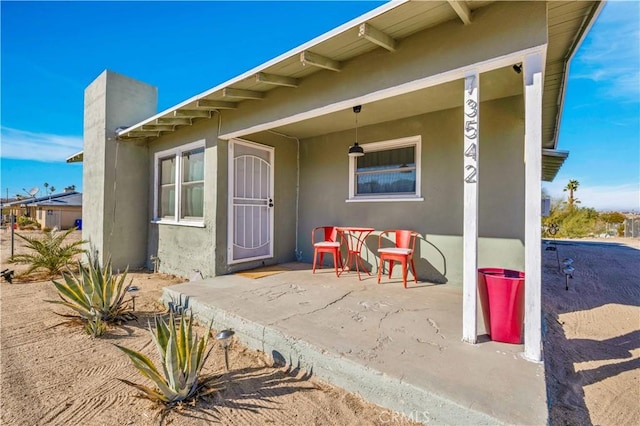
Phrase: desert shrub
(24, 221)
(574, 223)
(613, 217)
(49, 252)
(182, 355)
(580, 223)
(96, 295)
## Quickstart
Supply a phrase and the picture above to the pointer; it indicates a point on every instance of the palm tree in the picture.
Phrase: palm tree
(572, 187)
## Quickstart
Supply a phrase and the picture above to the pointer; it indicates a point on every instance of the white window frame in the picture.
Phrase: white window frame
(177, 153)
(412, 141)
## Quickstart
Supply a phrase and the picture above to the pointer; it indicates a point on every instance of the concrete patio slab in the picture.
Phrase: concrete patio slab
(399, 348)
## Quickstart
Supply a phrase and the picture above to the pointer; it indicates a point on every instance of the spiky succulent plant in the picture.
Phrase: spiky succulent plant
(182, 354)
(96, 295)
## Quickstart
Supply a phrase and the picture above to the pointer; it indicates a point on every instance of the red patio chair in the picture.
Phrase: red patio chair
(326, 239)
(405, 245)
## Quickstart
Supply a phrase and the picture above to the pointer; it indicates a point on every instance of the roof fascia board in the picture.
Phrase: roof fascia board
(75, 158)
(423, 83)
(567, 66)
(293, 52)
(555, 153)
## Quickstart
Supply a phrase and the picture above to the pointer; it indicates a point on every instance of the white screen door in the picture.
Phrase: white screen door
(250, 201)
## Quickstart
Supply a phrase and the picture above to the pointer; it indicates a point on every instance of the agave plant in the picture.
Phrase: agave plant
(95, 326)
(96, 295)
(49, 253)
(182, 355)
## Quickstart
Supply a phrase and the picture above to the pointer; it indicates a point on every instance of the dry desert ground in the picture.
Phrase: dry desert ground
(52, 373)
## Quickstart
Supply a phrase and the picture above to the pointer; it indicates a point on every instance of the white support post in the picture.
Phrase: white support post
(471, 131)
(533, 66)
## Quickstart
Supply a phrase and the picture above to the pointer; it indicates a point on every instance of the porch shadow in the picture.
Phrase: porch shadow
(426, 271)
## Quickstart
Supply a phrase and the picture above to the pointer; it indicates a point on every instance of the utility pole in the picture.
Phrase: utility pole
(13, 222)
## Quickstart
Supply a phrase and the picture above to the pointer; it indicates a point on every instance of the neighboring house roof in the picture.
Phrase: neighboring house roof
(568, 23)
(76, 158)
(68, 199)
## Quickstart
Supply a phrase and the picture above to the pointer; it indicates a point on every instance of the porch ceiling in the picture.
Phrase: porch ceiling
(500, 83)
(386, 24)
(568, 22)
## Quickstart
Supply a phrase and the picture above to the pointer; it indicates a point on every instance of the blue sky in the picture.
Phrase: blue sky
(52, 50)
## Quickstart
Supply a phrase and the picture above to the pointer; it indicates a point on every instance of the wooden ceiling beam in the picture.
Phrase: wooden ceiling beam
(310, 58)
(192, 113)
(242, 94)
(140, 134)
(176, 121)
(377, 37)
(462, 10)
(211, 104)
(276, 80)
(158, 127)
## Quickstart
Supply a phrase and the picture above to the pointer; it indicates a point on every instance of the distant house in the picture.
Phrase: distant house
(52, 211)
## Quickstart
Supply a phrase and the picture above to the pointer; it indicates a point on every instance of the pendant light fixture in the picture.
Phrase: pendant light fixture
(356, 150)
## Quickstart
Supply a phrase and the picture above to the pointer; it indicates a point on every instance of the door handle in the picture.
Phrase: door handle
(270, 202)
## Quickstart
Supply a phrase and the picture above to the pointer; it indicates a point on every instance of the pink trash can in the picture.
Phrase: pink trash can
(502, 298)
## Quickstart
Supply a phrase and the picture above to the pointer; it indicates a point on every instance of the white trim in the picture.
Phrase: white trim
(412, 86)
(230, 187)
(382, 200)
(183, 223)
(534, 89)
(177, 154)
(471, 149)
(354, 23)
(411, 141)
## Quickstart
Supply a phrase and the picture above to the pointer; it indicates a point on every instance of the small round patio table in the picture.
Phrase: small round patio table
(355, 237)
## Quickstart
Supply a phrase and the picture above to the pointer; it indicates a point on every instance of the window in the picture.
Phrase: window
(179, 177)
(389, 171)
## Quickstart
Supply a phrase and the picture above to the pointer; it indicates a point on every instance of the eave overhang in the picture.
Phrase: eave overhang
(380, 28)
(552, 161)
(75, 158)
(568, 23)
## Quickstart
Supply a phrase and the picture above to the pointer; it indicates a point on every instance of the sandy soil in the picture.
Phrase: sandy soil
(54, 374)
(592, 340)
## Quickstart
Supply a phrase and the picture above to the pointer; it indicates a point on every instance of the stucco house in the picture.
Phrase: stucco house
(461, 103)
(51, 211)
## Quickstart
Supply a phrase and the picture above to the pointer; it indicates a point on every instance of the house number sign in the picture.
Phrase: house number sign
(471, 131)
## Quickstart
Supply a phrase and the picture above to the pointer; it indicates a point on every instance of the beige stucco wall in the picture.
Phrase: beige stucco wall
(324, 189)
(67, 216)
(182, 248)
(499, 29)
(115, 178)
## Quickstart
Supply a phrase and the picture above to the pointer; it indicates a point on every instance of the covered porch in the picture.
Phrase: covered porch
(472, 91)
(399, 348)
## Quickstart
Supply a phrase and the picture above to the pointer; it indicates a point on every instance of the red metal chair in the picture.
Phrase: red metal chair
(405, 245)
(326, 239)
